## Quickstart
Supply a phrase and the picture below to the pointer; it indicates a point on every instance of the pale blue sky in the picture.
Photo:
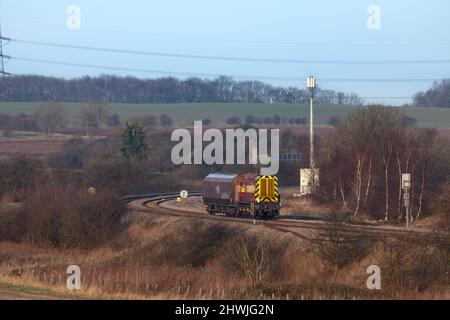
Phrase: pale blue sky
(282, 29)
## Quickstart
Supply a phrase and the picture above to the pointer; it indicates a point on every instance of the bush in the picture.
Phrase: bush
(337, 247)
(165, 121)
(442, 206)
(8, 131)
(234, 120)
(268, 120)
(20, 174)
(113, 121)
(74, 154)
(68, 217)
(131, 177)
(255, 258)
(411, 265)
(114, 173)
(301, 121)
(250, 119)
(276, 120)
(207, 122)
(11, 224)
(333, 121)
(23, 122)
(150, 120)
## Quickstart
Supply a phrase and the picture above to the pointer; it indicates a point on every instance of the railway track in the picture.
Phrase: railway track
(151, 203)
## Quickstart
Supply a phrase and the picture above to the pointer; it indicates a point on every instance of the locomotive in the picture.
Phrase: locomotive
(247, 195)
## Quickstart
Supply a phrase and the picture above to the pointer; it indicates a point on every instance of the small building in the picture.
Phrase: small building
(308, 180)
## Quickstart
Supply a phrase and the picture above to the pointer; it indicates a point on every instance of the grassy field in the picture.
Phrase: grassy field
(183, 113)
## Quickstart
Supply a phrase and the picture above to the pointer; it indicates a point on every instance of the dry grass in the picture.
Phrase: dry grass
(161, 257)
(294, 205)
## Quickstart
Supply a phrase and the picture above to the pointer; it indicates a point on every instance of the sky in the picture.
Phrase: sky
(321, 30)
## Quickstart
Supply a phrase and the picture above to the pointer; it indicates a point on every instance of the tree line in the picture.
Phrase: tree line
(437, 96)
(113, 89)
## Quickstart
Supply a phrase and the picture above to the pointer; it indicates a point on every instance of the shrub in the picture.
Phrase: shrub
(150, 120)
(165, 121)
(68, 217)
(411, 265)
(74, 154)
(8, 130)
(268, 120)
(234, 120)
(207, 122)
(11, 224)
(442, 206)
(333, 121)
(336, 246)
(255, 258)
(20, 174)
(276, 120)
(250, 119)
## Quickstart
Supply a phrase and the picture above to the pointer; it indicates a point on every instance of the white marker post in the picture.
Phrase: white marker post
(184, 194)
(406, 186)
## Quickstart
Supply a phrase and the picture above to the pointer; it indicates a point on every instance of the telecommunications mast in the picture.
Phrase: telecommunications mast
(309, 177)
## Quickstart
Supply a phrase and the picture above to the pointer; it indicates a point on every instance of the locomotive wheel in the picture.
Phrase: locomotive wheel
(210, 211)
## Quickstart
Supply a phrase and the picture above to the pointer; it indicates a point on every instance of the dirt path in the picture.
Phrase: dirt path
(13, 292)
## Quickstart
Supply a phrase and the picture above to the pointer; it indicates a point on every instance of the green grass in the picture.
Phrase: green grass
(24, 289)
(22, 135)
(45, 292)
(184, 113)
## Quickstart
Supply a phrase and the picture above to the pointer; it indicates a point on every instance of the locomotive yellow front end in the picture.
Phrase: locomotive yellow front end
(267, 196)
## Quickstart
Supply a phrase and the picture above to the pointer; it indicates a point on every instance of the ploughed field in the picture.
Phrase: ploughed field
(35, 147)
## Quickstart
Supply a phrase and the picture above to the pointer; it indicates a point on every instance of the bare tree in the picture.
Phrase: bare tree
(93, 115)
(337, 247)
(50, 116)
(367, 154)
(251, 256)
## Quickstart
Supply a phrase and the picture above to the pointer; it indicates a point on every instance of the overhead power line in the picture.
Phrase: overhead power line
(193, 74)
(241, 41)
(232, 58)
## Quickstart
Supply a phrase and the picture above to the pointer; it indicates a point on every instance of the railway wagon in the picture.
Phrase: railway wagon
(246, 195)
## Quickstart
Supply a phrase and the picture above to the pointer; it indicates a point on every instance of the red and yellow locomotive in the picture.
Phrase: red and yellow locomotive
(246, 195)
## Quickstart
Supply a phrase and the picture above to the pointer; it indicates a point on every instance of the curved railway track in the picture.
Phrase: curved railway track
(151, 203)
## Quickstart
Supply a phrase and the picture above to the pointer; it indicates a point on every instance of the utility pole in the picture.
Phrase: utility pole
(311, 84)
(3, 73)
